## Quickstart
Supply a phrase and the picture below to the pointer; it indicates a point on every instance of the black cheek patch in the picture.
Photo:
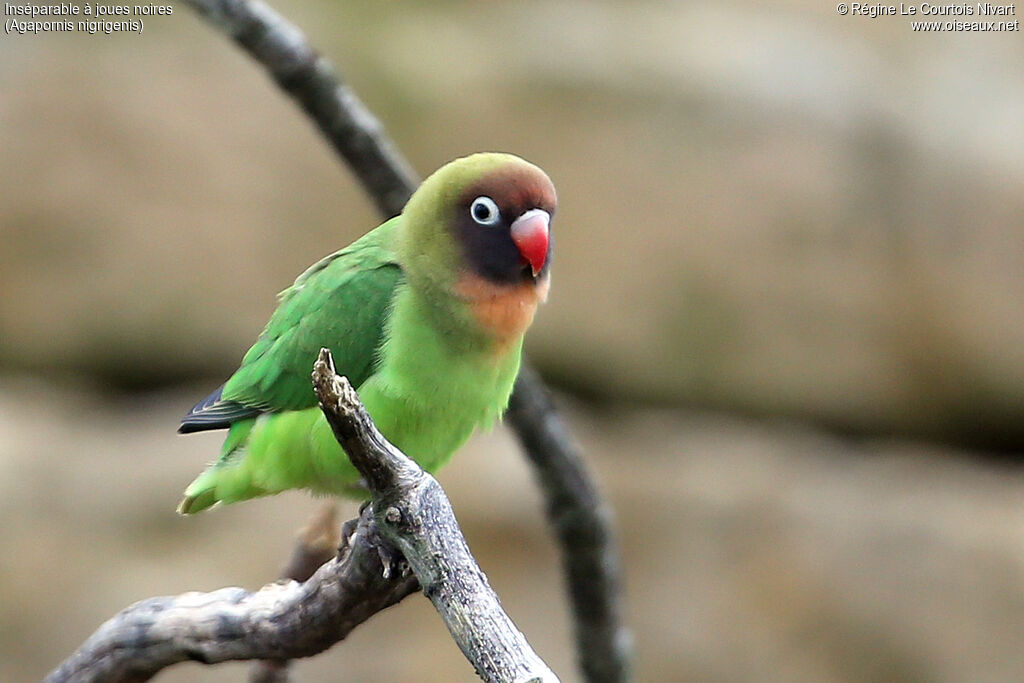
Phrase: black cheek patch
(490, 252)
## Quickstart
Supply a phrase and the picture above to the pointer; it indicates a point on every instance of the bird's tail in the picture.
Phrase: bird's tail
(225, 481)
(200, 495)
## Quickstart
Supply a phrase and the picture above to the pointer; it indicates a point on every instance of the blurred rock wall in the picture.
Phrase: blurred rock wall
(773, 210)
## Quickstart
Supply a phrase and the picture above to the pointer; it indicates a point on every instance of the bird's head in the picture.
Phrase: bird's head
(485, 216)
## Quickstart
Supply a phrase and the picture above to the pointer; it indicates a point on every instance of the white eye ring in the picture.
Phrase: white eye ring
(484, 211)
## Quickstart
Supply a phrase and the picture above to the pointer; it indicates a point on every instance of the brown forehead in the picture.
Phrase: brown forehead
(517, 187)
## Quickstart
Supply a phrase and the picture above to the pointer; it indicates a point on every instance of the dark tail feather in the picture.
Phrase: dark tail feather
(215, 413)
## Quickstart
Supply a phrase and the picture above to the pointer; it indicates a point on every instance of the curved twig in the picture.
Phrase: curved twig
(281, 621)
(582, 521)
(355, 133)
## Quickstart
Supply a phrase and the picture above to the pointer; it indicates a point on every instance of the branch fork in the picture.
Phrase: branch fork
(413, 513)
(409, 525)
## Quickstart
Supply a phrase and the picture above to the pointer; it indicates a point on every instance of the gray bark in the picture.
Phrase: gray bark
(281, 621)
(413, 513)
(407, 537)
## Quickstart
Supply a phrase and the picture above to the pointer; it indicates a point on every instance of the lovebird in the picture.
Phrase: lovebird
(424, 314)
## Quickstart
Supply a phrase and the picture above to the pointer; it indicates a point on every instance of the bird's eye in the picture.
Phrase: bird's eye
(484, 211)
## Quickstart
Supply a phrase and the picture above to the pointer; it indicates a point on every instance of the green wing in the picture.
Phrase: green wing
(340, 302)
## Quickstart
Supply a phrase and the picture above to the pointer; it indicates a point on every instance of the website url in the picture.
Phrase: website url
(941, 26)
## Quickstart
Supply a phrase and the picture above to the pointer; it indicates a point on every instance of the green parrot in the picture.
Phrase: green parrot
(425, 315)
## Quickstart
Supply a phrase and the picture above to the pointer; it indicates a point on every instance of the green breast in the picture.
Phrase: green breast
(432, 388)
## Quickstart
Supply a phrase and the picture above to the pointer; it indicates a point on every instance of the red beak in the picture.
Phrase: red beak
(530, 234)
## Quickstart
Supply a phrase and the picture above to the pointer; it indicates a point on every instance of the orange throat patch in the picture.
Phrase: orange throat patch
(504, 311)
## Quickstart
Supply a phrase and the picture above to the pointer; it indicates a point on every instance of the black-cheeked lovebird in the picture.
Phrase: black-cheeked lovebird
(425, 315)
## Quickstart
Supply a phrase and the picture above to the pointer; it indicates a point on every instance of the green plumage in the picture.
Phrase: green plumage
(426, 371)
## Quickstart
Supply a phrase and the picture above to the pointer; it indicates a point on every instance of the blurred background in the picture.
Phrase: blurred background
(785, 323)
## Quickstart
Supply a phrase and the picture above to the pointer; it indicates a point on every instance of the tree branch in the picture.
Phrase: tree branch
(409, 525)
(355, 133)
(316, 544)
(413, 513)
(280, 621)
(593, 570)
(583, 524)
